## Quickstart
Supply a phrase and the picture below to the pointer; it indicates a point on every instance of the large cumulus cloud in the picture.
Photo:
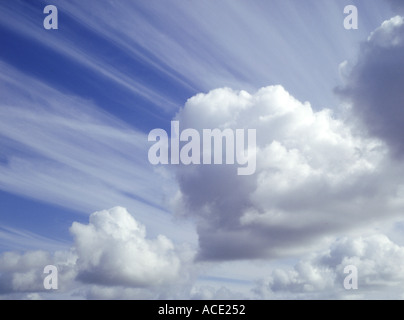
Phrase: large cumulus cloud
(315, 177)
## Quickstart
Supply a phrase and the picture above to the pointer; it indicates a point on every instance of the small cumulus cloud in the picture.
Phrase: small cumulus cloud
(113, 250)
(112, 258)
(378, 260)
(24, 272)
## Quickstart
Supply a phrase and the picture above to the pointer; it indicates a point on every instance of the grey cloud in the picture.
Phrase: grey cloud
(375, 85)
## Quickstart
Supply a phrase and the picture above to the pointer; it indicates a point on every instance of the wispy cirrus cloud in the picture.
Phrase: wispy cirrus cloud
(209, 45)
(74, 47)
(21, 240)
(64, 150)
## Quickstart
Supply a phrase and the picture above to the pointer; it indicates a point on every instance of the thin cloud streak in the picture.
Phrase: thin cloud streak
(68, 47)
(210, 43)
(66, 151)
(21, 240)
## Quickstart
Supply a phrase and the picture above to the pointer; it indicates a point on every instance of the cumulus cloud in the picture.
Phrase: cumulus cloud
(113, 250)
(24, 272)
(374, 85)
(379, 262)
(315, 177)
(112, 258)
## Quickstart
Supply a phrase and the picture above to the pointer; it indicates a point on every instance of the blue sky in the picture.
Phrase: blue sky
(78, 102)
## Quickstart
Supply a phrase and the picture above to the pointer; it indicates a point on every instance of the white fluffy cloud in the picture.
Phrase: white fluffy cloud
(315, 177)
(319, 173)
(379, 261)
(112, 258)
(24, 272)
(113, 250)
(386, 35)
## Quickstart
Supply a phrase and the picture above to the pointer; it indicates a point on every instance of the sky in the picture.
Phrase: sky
(78, 191)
